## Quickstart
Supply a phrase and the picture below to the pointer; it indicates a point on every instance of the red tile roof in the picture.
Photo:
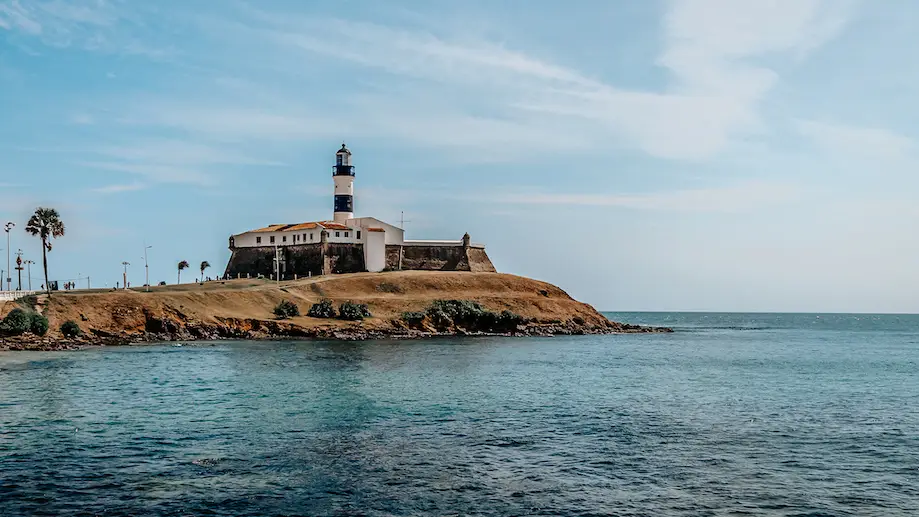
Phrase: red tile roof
(328, 225)
(375, 230)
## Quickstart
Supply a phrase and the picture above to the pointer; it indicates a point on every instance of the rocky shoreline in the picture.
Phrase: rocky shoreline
(164, 331)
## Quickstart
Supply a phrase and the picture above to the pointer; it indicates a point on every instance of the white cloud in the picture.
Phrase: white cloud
(95, 25)
(117, 189)
(178, 152)
(736, 198)
(13, 16)
(82, 119)
(162, 173)
(866, 142)
(228, 122)
(538, 106)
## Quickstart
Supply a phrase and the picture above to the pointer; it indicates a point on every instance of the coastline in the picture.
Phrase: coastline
(242, 309)
(31, 342)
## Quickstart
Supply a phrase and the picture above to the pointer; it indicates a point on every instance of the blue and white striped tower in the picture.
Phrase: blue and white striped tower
(343, 175)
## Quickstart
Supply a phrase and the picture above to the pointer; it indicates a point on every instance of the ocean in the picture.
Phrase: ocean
(733, 414)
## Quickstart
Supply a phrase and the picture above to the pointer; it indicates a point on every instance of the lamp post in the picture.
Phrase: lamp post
(147, 267)
(125, 264)
(7, 227)
(19, 269)
(29, 271)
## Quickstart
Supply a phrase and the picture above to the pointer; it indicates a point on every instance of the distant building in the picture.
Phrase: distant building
(346, 244)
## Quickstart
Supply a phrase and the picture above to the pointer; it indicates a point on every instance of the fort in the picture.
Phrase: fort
(346, 244)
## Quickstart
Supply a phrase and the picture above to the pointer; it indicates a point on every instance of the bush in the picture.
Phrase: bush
(353, 311)
(323, 309)
(162, 283)
(467, 314)
(457, 311)
(386, 287)
(71, 329)
(16, 322)
(38, 324)
(286, 309)
(413, 318)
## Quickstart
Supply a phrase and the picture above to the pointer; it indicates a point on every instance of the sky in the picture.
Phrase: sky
(655, 155)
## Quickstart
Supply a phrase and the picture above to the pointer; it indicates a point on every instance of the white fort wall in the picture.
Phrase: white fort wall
(393, 235)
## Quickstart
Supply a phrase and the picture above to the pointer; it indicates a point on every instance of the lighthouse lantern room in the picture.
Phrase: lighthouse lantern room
(343, 176)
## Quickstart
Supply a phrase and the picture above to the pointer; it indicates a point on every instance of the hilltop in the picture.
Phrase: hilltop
(244, 309)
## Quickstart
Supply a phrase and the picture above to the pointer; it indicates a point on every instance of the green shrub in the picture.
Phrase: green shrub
(16, 322)
(286, 309)
(38, 324)
(70, 329)
(353, 311)
(457, 311)
(323, 309)
(470, 315)
(413, 318)
(386, 287)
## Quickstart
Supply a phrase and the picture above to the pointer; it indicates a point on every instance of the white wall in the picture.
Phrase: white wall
(375, 251)
(394, 234)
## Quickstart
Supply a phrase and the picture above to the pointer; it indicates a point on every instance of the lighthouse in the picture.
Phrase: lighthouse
(343, 175)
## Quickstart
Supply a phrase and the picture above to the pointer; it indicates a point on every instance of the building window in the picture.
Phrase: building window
(311, 235)
(347, 234)
(284, 238)
(272, 239)
(358, 235)
(304, 237)
(258, 240)
(338, 234)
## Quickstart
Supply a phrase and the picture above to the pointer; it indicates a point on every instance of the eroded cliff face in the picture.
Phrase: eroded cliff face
(243, 309)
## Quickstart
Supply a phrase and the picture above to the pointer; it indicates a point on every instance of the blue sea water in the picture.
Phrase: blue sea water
(734, 414)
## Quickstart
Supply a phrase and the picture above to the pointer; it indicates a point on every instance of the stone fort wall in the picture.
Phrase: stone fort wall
(331, 258)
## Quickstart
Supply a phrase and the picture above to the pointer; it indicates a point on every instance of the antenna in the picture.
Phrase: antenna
(402, 220)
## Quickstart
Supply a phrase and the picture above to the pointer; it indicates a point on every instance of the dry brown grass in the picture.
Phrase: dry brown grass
(116, 311)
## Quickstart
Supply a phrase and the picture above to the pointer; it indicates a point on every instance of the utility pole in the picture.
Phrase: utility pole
(125, 264)
(29, 272)
(277, 264)
(7, 227)
(402, 222)
(19, 268)
(147, 266)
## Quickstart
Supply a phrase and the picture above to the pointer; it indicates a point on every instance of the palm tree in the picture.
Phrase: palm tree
(182, 265)
(204, 265)
(45, 223)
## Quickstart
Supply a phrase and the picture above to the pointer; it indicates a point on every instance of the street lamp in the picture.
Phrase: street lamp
(7, 227)
(28, 264)
(147, 267)
(19, 269)
(125, 264)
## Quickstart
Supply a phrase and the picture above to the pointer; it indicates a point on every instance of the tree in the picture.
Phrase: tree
(46, 224)
(182, 265)
(204, 265)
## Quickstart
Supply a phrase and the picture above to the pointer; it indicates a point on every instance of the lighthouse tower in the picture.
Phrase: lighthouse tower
(343, 175)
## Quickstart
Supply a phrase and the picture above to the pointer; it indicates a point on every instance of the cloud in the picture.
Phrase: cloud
(116, 189)
(95, 25)
(163, 160)
(13, 16)
(178, 152)
(711, 48)
(736, 198)
(864, 142)
(82, 119)
(161, 173)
